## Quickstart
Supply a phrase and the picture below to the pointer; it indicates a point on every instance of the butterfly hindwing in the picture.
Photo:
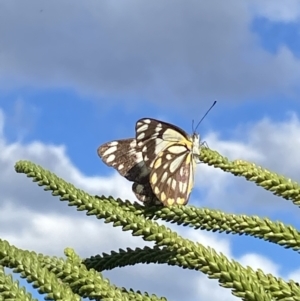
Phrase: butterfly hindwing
(170, 153)
(144, 193)
(172, 177)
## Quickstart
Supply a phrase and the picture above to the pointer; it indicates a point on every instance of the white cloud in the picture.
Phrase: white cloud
(276, 10)
(211, 288)
(204, 50)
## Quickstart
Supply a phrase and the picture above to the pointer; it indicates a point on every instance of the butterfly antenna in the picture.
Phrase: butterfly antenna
(193, 121)
(205, 115)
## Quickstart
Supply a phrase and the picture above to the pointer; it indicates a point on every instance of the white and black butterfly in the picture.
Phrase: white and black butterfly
(162, 157)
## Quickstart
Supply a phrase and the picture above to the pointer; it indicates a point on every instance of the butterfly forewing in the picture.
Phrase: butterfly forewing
(127, 160)
(153, 136)
(124, 157)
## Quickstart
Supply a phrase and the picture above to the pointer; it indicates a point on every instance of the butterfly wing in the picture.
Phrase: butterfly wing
(172, 176)
(153, 136)
(144, 193)
(126, 159)
(168, 151)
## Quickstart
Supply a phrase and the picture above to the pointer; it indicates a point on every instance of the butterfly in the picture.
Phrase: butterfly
(127, 160)
(162, 157)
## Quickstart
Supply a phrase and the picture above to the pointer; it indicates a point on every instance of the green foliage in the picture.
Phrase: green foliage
(72, 278)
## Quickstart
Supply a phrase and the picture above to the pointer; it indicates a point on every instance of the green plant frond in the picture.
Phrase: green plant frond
(26, 264)
(63, 279)
(10, 289)
(90, 283)
(165, 256)
(218, 221)
(129, 257)
(242, 281)
(277, 184)
(215, 220)
(156, 255)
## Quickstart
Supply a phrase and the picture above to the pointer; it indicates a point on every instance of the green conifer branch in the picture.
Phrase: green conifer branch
(279, 288)
(50, 275)
(10, 289)
(277, 184)
(129, 257)
(230, 274)
(26, 263)
(215, 220)
(90, 283)
(218, 221)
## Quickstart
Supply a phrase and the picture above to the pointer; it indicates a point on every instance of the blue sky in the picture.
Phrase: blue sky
(74, 75)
